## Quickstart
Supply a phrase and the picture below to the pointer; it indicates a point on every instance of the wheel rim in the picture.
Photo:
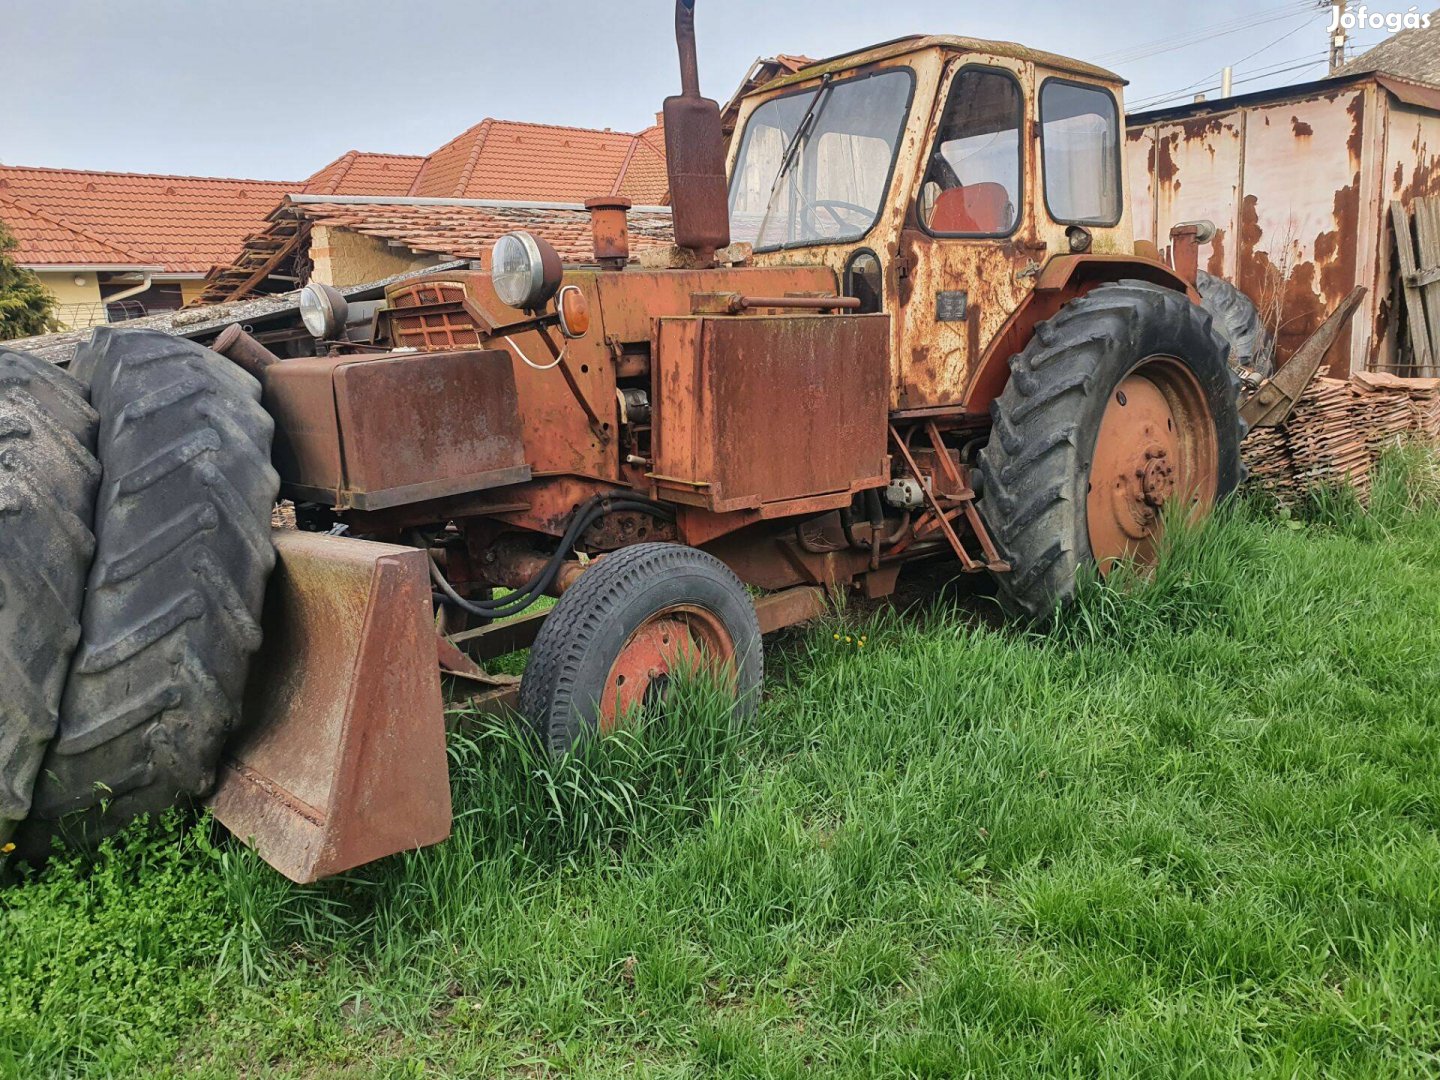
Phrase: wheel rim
(1156, 444)
(673, 639)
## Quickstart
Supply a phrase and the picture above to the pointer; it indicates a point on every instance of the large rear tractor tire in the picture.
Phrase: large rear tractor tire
(48, 477)
(172, 612)
(1252, 346)
(611, 643)
(1121, 404)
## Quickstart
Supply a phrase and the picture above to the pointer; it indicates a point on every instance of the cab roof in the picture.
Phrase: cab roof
(951, 43)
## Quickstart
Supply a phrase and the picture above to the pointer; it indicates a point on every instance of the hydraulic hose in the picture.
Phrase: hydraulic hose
(583, 517)
(877, 522)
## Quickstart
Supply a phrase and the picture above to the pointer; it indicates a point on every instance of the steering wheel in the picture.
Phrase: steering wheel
(833, 206)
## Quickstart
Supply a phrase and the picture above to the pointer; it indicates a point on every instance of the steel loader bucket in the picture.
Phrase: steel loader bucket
(341, 756)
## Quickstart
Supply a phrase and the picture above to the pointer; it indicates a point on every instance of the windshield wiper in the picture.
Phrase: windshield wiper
(811, 117)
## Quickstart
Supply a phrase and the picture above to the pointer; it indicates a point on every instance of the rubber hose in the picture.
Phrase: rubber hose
(585, 515)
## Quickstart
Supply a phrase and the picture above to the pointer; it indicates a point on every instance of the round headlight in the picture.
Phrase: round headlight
(323, 310)
(524, 270)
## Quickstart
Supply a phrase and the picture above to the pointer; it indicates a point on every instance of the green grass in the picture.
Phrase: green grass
(1191, 830)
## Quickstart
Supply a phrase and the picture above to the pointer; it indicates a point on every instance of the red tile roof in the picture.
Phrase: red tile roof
(46, 241)
(188, 224)
(645, 181)
(358, 173)
(504, 159)
(183, 224)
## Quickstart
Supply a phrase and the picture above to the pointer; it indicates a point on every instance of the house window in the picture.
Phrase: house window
(972, 183)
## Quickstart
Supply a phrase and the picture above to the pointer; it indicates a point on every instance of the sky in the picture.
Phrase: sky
(274, 89)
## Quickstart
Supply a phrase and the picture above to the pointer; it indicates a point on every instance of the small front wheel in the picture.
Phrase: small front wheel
(612, 642)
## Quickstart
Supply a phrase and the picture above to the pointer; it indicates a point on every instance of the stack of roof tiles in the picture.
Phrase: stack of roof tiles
(1383, 408)
(1326, 444)
(1425, 408)
(1272, 469)
(1338, 430)
(469, 232)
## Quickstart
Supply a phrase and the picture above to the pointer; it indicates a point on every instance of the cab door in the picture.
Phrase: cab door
(969, 251)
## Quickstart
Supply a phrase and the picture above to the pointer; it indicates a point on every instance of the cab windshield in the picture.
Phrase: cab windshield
(814, 166)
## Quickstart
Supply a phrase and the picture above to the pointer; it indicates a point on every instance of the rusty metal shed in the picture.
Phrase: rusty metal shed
(1299, 181)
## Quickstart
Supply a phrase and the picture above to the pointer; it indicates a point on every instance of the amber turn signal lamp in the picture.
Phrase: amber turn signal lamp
(574, 311)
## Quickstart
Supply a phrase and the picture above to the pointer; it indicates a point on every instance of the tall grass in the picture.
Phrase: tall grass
(1191, 829)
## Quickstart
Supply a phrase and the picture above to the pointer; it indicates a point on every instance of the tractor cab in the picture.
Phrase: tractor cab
(936, 176)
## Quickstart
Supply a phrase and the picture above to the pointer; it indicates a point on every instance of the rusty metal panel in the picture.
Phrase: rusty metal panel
(300, 395)
(1196, 174)
(374, 432)
(1140, 176)
(340, 758)
(624, 306)
(1412, 154)
(424, 426)
(630, 302)
(1299, 250)
(1295, 188)
(755, 410)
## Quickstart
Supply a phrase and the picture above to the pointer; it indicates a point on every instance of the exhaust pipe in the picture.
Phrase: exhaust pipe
(695, 153)
(685, 43)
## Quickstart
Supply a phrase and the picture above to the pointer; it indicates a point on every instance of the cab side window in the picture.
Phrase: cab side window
(972, 182)
(1080, 144)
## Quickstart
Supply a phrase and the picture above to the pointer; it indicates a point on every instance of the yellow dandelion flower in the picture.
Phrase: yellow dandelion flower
(837, 637)
(7, 849)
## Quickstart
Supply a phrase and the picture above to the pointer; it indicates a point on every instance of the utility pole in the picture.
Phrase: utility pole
(1337, 40)
(1225, 77)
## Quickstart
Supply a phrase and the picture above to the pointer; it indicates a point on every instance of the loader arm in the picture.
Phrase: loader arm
(1274, 399)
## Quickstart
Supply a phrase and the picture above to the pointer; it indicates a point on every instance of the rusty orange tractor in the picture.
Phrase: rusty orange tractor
(905, 320)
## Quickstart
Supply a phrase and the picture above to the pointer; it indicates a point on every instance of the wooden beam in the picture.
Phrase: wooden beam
(1427, 235)
(1414, 301)
(1424, 277)
(264, 271)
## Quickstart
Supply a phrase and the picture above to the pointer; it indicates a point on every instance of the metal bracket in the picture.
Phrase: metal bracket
(1272, 402)
(963, 498)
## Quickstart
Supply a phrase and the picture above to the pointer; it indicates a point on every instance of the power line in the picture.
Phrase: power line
(1250, 56)
(1280, 67)
(1210, 30)
(1205, 33)
(1265, 74)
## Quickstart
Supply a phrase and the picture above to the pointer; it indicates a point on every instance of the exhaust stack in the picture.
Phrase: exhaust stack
(695, 153)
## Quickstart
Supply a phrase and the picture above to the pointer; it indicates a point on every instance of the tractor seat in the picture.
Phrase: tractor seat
(973, 208)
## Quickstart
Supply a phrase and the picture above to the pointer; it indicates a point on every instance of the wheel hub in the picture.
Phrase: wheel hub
(1157, 476)
(1156, 443)
(674, 639)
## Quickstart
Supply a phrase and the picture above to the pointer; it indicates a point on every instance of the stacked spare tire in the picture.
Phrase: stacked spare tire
(135, 501)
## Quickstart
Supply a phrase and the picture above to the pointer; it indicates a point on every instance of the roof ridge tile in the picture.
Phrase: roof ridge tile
(36, 211)
(6, 167)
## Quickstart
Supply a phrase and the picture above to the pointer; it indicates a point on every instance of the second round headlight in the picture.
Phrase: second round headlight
(524, 270)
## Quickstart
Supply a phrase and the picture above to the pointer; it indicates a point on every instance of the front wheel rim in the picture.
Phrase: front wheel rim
(1156, 447)
(676, 638)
